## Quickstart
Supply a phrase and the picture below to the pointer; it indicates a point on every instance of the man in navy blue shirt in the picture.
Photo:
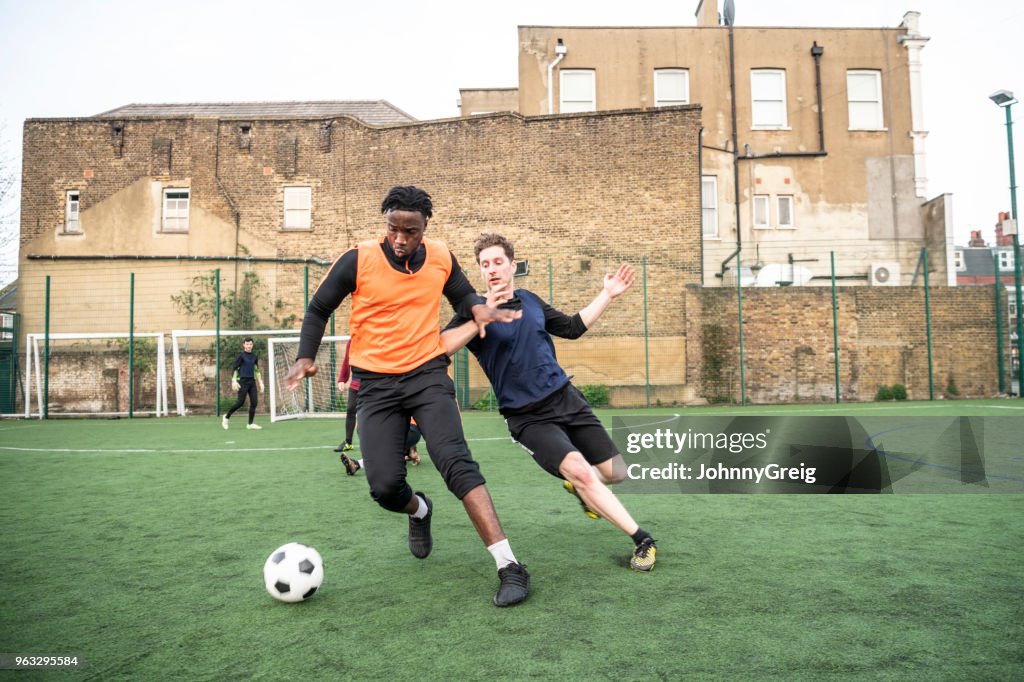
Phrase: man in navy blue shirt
(544, 412)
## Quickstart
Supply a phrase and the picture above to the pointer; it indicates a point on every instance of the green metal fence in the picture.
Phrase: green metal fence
(826, 336)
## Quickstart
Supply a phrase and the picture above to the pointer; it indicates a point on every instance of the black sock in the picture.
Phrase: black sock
(640, 535)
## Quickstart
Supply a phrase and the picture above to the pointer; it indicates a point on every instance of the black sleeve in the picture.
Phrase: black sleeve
(564, 326)
(457, 321)
(238, 364)
(339, 283)
(459, 292)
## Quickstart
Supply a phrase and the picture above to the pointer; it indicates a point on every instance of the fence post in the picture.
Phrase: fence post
(551, 285)
(131, 347)
(739, 299)
(46, 356)
(999, 327)
(334, 369)
(216, 337)
(928, 326)
(305, 306)
(647, 352)
(835, 321)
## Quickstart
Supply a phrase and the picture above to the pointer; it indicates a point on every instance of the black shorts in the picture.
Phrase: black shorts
(561, 423)
(386, 402)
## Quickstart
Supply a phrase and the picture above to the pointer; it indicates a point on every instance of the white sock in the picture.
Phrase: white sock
(421, 510)
(502, 553)
(360, 462)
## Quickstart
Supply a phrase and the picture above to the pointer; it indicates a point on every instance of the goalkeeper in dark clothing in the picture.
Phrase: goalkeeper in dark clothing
(245, 377)
(396, 283)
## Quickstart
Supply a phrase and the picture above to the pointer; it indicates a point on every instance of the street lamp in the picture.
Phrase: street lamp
(1006, 100)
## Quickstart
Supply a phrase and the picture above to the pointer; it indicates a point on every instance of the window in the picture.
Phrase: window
(761, 210)
(671, 87)
(768, 98)
(577, 91)
(709, 205)
(298, 208)
(785, 210)
(71, 223)
(175, 210)
(958, 259)
(6, 326)
(1005, 259)
(864, 92)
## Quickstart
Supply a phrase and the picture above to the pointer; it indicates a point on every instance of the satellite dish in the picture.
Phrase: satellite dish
(729, 12)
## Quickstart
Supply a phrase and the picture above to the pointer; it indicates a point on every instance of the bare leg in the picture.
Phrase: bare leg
(588, 484)
(481, 512)
(611, 470)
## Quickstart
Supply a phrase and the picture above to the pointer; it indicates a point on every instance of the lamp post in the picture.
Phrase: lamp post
(1006, 100)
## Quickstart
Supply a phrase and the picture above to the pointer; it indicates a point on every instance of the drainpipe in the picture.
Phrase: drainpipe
(816, 52)
(560, 51)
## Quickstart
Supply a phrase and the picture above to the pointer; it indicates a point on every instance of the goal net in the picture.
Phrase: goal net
(95, 374)
(196, 375)
(318, 396)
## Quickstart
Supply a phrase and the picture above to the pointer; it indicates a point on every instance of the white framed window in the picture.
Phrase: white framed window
(7, 325)
(71, 204)
(175, 217)
(958, 259)
(671, 87)
(768, 98)
(864, 95)
(709, 206)
(784, 210)
(761, 218)
(577, 90)
(298, 208)
(1006, 259)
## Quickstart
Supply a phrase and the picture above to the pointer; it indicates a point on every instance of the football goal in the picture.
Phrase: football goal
(87, 374)
(193, 356)
(319, 395)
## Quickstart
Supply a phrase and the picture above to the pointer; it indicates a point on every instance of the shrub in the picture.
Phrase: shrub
(884, 393)
(595, 394)
(899, 392)
(487, 402)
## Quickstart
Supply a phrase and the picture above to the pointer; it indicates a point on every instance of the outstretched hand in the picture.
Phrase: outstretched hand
(488, 312)
(622, 280)
(302, 368)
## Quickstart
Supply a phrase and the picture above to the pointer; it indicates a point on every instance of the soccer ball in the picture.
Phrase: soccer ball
(293, 572)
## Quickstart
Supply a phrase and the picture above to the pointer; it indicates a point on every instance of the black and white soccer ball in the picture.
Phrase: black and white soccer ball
(293, 572)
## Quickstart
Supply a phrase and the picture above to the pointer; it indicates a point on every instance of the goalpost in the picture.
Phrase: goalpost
(319, 397)
(185, 374)
(91, 376)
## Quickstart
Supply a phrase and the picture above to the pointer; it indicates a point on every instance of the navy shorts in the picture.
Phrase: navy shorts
(559, 424)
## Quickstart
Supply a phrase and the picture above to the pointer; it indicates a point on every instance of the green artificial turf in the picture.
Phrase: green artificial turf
(139, 545)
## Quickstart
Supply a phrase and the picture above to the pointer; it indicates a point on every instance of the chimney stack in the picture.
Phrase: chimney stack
(707, 13)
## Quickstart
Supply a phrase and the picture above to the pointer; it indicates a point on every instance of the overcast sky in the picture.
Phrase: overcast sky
(63, 58)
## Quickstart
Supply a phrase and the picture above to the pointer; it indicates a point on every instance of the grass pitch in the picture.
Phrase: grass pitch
(139, 544)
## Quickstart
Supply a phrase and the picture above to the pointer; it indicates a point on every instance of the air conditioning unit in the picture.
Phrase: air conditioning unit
(884, 275)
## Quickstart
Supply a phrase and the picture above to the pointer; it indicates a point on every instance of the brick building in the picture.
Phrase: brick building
(813, 138)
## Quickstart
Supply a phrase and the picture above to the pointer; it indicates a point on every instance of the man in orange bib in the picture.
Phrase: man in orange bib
(396, 284)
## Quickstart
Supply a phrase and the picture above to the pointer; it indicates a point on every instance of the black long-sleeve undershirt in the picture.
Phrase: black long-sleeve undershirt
(341, 282)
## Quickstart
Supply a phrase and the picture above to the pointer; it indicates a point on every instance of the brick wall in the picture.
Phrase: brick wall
(883, 339)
